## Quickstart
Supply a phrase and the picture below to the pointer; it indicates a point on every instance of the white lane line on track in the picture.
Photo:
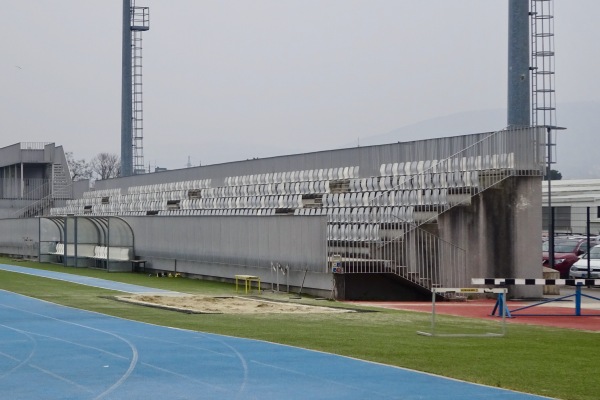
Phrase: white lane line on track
(169, 371)
(190, 346)
(134, 351)
(312, 377)
(242, 361)
(25, 361)
(61, 378)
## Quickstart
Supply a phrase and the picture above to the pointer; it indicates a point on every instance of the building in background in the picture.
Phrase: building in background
(571, 200)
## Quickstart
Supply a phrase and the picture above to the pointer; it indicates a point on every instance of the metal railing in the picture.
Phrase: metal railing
(406, 242)
(421, 258)
(440, 185)
(25, 189)
(33, 145)
(42, 205)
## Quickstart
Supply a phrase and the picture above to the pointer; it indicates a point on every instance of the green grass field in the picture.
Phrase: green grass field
(553, 362)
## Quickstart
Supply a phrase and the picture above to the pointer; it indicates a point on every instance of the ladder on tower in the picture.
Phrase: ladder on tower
(140, 22)
(543, 94)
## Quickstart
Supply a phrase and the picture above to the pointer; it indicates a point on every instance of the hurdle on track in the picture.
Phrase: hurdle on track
(578, 295)
(501, 292)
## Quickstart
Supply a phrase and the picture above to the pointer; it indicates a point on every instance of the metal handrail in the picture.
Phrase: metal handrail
(45, 202)
(498, 170)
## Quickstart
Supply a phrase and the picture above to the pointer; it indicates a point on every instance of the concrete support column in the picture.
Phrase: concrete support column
(500, 232)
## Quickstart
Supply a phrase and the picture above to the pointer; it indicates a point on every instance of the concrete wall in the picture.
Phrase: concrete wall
(19, 237)
(220, 247)
(8, 208)
(501, 233)
(80, 187)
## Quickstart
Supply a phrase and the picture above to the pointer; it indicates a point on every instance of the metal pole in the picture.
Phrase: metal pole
(126, 95)
(504, 306)
(75, 241)
(550, 209)
(65, 243)
(587, 224)
(578, 300)
(433, 312)
(22, 183)
(551, 239)
(39, 239)
(108, 245)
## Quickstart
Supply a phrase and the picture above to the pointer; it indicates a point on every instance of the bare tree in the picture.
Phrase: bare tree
(79, 169)
(105, 166)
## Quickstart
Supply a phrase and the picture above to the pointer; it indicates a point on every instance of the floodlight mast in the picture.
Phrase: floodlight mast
(518, 64)
(126, 109)
(135, 21)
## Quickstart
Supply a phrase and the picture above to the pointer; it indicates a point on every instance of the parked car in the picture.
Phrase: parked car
(566, 253)
(579, 270)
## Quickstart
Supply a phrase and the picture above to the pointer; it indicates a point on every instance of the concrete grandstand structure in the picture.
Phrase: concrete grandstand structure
(388, 221)
(33, 178)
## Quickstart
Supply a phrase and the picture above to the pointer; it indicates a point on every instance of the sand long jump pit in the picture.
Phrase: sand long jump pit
(196, 304)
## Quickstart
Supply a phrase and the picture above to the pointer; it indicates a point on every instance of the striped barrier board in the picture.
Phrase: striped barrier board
(525, 281)
(578, 283)
(467, 290)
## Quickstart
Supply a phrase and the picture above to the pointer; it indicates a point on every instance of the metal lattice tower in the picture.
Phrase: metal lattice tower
(543, 95)
(140, 22)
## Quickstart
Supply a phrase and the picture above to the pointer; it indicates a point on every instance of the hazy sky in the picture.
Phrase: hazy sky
(227, 80)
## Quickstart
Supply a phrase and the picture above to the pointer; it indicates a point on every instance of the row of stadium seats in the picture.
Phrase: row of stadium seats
(353, 232)
(419, 197)
(358, 188)
(372, 215)
(294, 176)
(171, 186)
(299, 189)
(102, 193)
(425, 174)
(464, 164)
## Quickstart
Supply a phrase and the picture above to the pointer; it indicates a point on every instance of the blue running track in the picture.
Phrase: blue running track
(49, 352)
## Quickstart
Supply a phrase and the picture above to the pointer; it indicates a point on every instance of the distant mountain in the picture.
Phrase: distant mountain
(577, 150)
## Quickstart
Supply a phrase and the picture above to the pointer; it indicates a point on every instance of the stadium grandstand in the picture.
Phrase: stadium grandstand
(379, 222)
